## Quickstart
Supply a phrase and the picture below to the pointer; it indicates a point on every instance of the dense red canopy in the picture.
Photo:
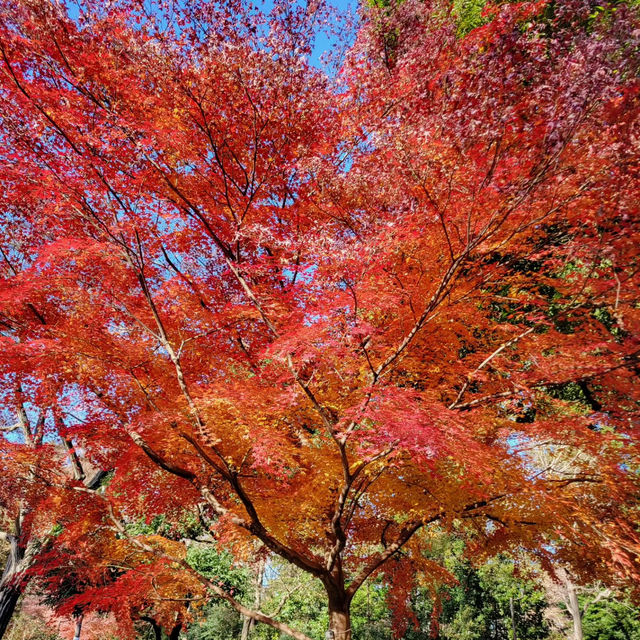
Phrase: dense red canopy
(335, 311)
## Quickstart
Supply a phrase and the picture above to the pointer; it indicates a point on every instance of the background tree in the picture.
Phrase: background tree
(486, 602)
(615, 619)
(31, 465)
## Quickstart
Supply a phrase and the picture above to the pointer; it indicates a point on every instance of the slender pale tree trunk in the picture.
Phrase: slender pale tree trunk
(571, 602)
(248, 623)
(78, 627)
(574, 610)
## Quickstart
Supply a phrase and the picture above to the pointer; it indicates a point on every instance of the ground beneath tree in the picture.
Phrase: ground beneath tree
(36, 619)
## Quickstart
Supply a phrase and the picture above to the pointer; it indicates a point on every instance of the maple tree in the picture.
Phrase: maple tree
(29, 468)
(325, 313)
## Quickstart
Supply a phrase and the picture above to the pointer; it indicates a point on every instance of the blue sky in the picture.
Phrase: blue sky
(323, 42)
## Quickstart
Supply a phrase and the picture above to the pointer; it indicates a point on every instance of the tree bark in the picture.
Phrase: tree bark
(78, 627)
(513, 620)
(9, 596)
(571, 602)
(340, 622)
(248, 623)
(157, 629)
(574, 610)
(175, 632)
(11, 585)
(339, 612)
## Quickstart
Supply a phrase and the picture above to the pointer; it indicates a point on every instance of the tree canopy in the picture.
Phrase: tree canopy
(323, 314)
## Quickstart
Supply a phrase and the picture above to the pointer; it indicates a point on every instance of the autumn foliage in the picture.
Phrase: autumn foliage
(329, 313)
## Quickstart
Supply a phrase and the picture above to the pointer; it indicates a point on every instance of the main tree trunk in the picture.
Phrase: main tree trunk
(339, 612)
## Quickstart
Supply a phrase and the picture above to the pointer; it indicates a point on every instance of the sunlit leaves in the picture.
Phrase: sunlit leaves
(327, 312)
